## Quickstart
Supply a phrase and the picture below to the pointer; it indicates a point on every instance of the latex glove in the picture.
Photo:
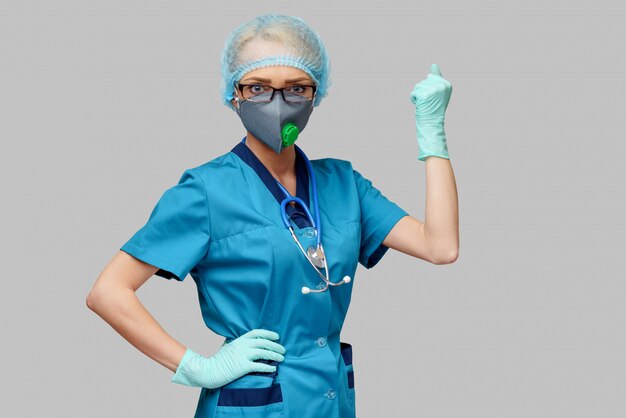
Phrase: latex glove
(232, 361)
(430, 97)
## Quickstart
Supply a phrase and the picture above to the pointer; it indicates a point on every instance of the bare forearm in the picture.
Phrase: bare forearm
(121, 309)
(441, 219)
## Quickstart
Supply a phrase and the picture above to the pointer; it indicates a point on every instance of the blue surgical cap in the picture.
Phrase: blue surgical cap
(274, 39)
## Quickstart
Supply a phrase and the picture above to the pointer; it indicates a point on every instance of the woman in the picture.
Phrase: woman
(246, 224)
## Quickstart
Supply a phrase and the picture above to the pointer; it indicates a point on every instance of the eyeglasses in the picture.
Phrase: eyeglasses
(265, 93)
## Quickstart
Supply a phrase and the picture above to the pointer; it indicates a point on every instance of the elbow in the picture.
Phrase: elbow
(90, 301)
(94, 299)
(445, 257)
(103, 297)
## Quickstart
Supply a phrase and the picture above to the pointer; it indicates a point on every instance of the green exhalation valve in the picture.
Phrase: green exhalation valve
(289, 133)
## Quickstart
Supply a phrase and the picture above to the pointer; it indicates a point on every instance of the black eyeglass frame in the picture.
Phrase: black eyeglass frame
(274, 90)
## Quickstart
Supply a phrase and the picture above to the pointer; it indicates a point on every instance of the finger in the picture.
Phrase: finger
(259, 354)
(269, 345)
(434, 69)
(262, 333)
(419, 87)
(262, 367)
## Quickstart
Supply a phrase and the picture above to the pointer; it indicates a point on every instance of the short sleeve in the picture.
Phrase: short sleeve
(378, 217)
(176, 236)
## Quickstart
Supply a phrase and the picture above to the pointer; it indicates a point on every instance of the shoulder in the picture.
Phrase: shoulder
(332, 165)
(337, 171)
(215, 169)
(334, 171)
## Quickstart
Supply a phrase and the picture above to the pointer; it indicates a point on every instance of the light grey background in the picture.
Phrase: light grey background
(105, 104)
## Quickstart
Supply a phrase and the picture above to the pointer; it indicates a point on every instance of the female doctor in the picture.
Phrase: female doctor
(272, 240)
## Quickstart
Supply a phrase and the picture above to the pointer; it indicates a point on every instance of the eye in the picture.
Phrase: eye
(256, 88)
(298, 89)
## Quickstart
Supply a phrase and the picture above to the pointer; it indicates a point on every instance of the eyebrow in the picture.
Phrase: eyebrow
(291, 80)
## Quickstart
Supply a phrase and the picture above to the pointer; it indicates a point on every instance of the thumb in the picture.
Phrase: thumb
(434, 69)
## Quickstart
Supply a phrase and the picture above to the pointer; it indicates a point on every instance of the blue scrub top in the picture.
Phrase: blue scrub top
(222, 225)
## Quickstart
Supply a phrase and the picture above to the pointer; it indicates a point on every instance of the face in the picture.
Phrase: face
(277, 76)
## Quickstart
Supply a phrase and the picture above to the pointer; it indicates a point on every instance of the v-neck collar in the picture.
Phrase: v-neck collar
(302, 181)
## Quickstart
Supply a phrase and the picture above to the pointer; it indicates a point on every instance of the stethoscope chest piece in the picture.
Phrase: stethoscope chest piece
(317, 256)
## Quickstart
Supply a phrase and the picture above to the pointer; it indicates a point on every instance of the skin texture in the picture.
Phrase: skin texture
(436, 240)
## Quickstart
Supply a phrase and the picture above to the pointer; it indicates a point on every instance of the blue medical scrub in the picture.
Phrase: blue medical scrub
(222, 224)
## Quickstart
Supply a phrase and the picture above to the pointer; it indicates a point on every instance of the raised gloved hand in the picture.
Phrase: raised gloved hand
(232, 361)
(430, 97)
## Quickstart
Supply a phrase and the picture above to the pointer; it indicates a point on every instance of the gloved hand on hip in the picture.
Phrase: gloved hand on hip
(232, 361)
(430, 97)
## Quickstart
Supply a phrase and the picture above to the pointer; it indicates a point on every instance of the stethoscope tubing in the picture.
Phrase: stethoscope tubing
(316, 224)
(289, 198)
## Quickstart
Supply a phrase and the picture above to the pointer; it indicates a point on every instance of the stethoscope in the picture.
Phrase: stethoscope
(315, 255)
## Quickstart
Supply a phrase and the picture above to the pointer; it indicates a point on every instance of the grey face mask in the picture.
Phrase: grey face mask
(276, 123)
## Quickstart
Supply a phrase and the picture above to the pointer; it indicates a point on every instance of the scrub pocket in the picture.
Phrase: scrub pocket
(346, 355)
(254, 395)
